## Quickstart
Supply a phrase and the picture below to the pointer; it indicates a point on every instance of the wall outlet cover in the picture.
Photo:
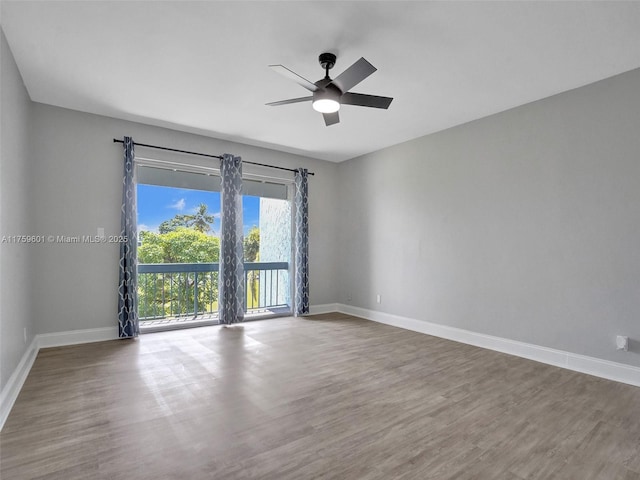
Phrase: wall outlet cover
(622, 343)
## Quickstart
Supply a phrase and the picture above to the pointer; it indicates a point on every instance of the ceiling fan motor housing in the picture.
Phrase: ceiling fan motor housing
(329, 92)
(327, 60)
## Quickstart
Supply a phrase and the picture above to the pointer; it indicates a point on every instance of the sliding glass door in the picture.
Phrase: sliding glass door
(178, 247)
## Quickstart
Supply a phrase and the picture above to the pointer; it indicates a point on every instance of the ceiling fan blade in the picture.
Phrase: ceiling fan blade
(292, 100)
(363, 100)
(354, 75)
(331, 118)
(284, 71)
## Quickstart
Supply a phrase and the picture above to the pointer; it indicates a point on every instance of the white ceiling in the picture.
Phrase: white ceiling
(202, 66)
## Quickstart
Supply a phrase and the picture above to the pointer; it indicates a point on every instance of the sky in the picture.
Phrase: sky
(157, 204)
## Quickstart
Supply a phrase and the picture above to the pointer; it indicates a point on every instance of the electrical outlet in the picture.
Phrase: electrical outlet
(349, 298)
(378, 299)
(622, 343)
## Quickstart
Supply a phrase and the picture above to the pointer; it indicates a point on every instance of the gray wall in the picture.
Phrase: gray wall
(524, 225)
(16, 193)
(77, 188)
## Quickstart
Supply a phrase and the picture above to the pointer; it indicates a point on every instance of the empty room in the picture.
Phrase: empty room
(287, 240)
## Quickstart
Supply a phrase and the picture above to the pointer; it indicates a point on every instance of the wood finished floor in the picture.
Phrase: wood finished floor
(327, 397)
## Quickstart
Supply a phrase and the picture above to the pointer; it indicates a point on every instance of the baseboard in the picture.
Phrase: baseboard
(75, 337)
(618, 372)
(11, 390)
(324, 308)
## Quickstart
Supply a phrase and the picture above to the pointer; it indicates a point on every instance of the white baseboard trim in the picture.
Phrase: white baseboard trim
(618, 372)
(75, 337)
(10, 392)
(324, 308)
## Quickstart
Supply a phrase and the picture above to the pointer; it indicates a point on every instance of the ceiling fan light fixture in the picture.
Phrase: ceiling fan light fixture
(326, 105)
(329, 94)
(327, 98)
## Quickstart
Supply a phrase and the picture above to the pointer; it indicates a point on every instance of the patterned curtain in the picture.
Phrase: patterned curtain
(302, 242)
(231, 276)
(128, 278)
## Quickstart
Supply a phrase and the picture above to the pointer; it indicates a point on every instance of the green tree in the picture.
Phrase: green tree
(170, 294)
(186, 245)
(201, 220)
(252, 254)
(150, 249)
(252, 245)
(174, 223)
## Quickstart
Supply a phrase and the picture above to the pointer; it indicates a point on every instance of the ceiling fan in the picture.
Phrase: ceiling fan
(329, 94)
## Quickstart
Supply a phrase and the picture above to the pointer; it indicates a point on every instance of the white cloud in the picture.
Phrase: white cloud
(179, 205)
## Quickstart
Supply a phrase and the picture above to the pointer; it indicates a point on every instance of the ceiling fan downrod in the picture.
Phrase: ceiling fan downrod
(327, 61)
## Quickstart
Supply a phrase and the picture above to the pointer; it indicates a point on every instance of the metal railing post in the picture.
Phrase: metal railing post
(246, 290)
(195, 294)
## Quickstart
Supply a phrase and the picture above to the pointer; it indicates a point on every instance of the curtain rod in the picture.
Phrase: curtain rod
(115, 140)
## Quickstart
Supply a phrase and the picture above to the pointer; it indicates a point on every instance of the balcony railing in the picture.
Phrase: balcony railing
(189, 290)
